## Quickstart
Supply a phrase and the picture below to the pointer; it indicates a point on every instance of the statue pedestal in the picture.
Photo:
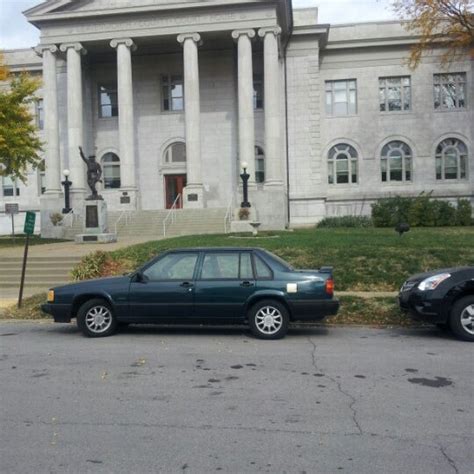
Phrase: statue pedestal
(95, 224)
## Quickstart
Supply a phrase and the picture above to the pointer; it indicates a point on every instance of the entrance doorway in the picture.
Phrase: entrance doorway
(174, 185)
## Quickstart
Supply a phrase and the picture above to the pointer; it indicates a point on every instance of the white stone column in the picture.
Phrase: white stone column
(51, 122)
(272, 109)
(246, 105)
(126, 121)
(75, 125)
(192, 105)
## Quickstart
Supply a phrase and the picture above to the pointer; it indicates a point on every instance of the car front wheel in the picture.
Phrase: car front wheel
(95, 318)
(269, 319)
(462, 318)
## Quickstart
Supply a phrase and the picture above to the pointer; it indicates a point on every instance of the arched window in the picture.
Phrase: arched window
(342, 164)
(175, 154)
(111, 170)
(396, 161)
(259, 165)
(451, 159)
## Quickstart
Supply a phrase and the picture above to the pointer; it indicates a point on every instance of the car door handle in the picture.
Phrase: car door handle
(186, 284)
(246, 284)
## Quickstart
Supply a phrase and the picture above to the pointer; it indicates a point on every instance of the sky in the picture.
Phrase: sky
(16, 32)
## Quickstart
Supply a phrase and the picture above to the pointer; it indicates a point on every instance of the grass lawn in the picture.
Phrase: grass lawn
(370, 259)
(19, 240)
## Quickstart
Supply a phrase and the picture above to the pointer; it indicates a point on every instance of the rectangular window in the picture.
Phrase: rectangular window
(173, 93)
(108, 102)
(9, 187)
(220, 266)
(40, 114)
(449, 91)
(246, 270)
(258, 92)
(395, 93)
(341, 97)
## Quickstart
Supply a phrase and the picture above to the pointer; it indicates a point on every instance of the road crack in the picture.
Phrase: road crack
(338, 384)
(448, 459)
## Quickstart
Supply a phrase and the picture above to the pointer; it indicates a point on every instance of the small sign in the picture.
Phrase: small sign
(124, 199)
(192, 197)
(12, 209)
(30, 219)
(92, 217)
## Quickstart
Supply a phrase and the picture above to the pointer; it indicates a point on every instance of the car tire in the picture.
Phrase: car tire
(268, 319)
(96, 318)
(461, 319)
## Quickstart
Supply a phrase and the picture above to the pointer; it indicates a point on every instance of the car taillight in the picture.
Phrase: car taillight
(330, 286)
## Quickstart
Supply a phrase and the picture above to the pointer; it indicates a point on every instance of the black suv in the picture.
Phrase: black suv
(442, 297)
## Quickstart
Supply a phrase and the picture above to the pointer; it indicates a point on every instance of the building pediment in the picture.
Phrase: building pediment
(98, 20)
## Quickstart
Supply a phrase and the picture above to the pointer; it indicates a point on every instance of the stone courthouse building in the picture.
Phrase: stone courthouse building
(173, 96)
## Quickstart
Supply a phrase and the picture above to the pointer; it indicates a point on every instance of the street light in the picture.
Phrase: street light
(67, 184)
(245, 180)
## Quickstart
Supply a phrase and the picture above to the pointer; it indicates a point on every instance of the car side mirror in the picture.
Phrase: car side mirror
(140, 278)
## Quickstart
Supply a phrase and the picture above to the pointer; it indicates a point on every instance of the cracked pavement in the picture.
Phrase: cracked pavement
(160, 399)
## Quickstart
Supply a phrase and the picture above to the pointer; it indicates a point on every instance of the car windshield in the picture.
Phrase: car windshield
(285, 266)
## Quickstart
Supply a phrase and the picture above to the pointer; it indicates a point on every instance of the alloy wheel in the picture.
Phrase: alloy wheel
(269, 320)
(467, 319)
(98, 319)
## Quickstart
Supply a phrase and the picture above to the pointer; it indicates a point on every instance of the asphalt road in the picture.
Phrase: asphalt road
(206, 400)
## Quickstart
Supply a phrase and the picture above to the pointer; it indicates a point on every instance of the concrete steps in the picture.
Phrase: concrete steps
(150, 223)
(41, 272)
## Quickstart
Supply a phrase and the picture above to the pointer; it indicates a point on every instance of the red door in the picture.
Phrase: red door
(174, 185)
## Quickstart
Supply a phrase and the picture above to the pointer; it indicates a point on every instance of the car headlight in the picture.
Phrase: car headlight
(51, 296)
(432, 282)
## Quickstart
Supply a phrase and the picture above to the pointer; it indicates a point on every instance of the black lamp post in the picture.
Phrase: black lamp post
(67, 184)
(245, 180)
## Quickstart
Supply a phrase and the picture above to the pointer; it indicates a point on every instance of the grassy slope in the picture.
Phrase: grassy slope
(363, 259)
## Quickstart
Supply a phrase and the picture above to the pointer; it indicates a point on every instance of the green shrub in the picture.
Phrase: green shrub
(346, 221)
(444, 213)
(420, 211)
(90, 266)
(464, 212)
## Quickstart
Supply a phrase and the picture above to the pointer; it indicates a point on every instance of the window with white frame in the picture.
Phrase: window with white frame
(108, 101)
(395, 93)
(449, 91)
(175, 154)
(172, 87)
(396, 162)
(39, 114)
(111, 171)
(451, 159)
(341, 97)
(342, 164)
(259, 165)
(258, 92)
(9, 187)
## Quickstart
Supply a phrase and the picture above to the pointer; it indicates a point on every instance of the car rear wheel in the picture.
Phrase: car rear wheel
(95, 318)
(462, 318)
(269, 319)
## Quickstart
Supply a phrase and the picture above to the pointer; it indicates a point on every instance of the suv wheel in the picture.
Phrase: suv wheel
(95, 318)
(462, 318)
(269, 319)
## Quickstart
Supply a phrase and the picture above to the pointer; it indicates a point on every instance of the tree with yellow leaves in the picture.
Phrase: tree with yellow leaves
(19, 142)
(447, 23)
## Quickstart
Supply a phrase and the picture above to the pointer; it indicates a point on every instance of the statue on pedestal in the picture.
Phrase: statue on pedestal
(94, 173)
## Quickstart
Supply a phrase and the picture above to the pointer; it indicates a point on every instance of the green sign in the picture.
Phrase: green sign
(30, 223)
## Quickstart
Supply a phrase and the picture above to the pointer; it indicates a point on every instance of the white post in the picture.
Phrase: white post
(246, 105)
(126, 117)
(192, 108)
(75, 124)
(273, 165)
(51, 122)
